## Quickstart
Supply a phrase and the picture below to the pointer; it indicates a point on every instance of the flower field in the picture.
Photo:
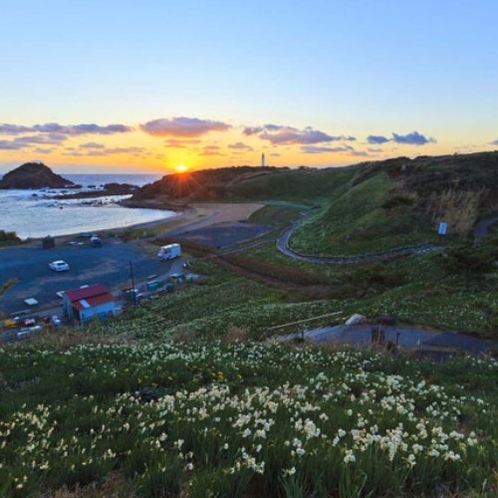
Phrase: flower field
(245, 419)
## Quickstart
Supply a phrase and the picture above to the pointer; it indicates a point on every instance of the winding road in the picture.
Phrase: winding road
(283, 247)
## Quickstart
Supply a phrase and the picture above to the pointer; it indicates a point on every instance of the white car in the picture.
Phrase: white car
(59, 265)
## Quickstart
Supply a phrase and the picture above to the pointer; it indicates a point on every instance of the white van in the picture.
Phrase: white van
(169, 252)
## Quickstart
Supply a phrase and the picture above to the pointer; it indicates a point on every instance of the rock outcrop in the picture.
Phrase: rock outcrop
(33, 175)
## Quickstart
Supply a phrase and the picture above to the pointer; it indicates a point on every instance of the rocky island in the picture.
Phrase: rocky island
(35, 175)
(32, 176)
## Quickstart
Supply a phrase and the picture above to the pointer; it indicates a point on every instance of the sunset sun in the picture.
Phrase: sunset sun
(181, 168)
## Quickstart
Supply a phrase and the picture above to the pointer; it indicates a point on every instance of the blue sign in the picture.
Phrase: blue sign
(442, 228)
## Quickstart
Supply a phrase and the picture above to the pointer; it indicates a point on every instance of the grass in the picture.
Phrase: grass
(225, 419)
(182, 396)
(358, 222)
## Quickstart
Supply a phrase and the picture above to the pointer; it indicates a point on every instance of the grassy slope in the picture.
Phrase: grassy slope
(229, 306)
(244, 183)
(330, 424)
(357, 222)
(302, 185)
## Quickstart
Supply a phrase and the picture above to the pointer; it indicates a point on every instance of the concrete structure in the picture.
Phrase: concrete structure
(263, 160)
(86, 303)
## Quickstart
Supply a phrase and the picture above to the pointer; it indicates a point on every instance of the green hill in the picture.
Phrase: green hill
(398, 200)
(185, 395)
(243, 419)
(248, 183)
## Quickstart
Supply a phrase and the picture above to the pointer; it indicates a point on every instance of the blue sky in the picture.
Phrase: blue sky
(144, 86)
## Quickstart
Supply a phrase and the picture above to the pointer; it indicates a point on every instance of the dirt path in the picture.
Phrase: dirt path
(205, 214)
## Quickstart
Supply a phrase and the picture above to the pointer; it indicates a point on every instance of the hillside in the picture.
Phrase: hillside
(457, 189)
(234, 419)
(247, 183)
(33, 175)
(187, 395)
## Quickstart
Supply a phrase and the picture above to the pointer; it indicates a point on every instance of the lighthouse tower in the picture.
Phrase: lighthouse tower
(263, 160)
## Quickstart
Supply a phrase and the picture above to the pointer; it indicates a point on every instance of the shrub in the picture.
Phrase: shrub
(9, 237)
(467, 258)
(375, 278)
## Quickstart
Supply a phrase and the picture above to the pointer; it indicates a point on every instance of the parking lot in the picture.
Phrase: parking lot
(112, 265)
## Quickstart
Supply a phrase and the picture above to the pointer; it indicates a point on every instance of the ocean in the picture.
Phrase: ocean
(36, 214)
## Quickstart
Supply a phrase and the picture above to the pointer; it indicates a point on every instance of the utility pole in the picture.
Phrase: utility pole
(133, 290)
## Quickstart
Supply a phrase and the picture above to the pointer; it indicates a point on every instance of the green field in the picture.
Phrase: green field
(186, 395)
(152, 418)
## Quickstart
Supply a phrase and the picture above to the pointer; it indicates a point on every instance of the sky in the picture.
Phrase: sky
(103, 86)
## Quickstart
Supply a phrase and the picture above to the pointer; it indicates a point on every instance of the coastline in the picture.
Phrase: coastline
(201, 214)
(185, 216)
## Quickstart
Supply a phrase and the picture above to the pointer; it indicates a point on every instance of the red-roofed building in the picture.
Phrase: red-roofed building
(88, 302)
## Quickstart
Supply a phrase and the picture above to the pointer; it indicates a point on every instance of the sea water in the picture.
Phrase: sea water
(36, 214)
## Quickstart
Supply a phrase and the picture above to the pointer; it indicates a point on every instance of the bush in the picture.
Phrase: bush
(468, 258)
(375, 278)
(9, 237)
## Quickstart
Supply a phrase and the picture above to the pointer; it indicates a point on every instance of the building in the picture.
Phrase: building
(48, 242)
(86, 303)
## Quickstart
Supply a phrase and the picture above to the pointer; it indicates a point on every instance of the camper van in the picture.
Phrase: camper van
(169, 252)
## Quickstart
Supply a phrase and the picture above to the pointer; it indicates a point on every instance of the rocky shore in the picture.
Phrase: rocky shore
(32, 176)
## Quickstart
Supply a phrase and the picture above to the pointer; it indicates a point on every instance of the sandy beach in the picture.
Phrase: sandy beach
(204, 214)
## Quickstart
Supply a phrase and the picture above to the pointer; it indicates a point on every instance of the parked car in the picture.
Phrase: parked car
(59, 265)
(95, 241)
(56, 321)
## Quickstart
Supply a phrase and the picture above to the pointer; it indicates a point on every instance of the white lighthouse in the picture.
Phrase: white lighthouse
(263, 160)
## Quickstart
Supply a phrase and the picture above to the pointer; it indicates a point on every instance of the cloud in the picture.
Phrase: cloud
(182, 127)
(240, 146)
(211, 150)
(102, 152)
(413, 138)
(11, 129)
(377, 139)
(312, 149)
(51, 139)
(252, 130)
(288, 135)
(72, 130)
(10, 145)
(20, 143)
(117, 150)
(176, 143)
(92, 145)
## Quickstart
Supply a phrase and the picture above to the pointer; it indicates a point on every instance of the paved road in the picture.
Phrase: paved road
(427, 343)
(108, 265)
(283, 247)
(482, 228)
(221, 235)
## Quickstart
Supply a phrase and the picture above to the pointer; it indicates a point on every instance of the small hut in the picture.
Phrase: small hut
(48, 242)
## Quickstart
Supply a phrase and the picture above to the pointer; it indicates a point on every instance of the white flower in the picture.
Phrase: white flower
(349, 457)
(289, 472)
